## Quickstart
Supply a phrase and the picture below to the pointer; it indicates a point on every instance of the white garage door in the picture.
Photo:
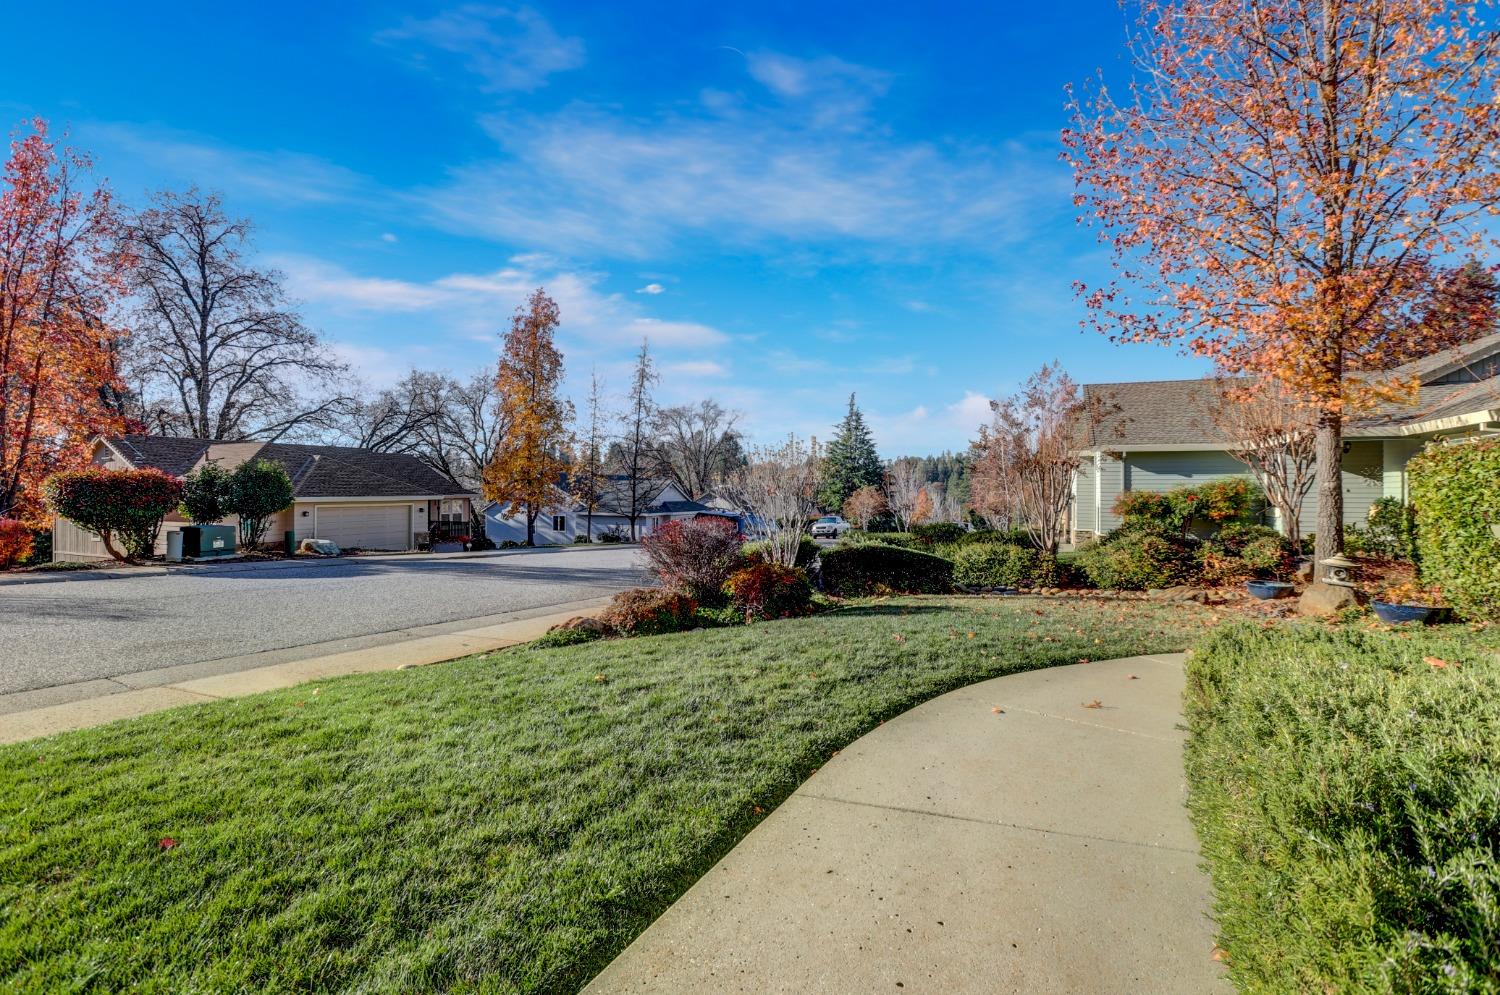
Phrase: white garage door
(380, 526)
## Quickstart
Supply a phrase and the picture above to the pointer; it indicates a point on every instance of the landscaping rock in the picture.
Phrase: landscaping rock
(1181, 592)
(319, 547)
(1326, 599)
(581, 622)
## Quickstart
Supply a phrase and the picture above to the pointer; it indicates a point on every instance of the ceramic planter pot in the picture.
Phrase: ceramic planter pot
(1268, 590)
(1396, 614)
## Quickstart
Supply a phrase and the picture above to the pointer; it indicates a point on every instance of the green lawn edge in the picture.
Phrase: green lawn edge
(503, 823)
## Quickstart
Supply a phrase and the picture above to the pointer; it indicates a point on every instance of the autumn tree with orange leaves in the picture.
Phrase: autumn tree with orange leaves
(533, 453)
(61, 275)
(1290, 187)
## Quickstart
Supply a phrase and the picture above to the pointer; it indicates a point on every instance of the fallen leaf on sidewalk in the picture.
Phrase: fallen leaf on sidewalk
(998, 711)
(1096, 703)
(1133, 677)
(1219, 953)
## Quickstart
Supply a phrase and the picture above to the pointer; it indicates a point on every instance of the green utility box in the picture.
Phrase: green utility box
(204, 542)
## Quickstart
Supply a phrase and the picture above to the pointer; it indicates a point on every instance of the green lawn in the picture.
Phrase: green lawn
(502, 823)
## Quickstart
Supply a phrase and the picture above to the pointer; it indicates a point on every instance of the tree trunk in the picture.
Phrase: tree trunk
(530, 525)
(1330, 458)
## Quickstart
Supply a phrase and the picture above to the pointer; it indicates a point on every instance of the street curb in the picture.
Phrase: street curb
(235, 566)
(16, 727)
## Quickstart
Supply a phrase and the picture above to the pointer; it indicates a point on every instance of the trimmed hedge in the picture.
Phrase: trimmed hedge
(903, 539)
(932, 533)
(999, 564)
(807, 551)
(851, 571)
(1345, 792)
(1456, 492)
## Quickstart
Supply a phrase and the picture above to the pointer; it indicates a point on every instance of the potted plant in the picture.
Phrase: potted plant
(1407, 602)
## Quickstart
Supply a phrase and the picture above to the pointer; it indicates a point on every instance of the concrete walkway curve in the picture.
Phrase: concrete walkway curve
(1040, 848)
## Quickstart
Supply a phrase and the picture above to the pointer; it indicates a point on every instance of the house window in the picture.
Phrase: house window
(559, 523)
(453, 511)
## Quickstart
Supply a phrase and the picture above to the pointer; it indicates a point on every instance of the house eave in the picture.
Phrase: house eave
(1449, 424)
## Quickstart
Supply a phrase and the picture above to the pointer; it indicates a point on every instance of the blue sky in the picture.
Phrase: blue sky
(791, 201)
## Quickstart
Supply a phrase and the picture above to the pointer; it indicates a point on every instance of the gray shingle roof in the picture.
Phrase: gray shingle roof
(316, 471)
(1151, 413)
(1178, 412)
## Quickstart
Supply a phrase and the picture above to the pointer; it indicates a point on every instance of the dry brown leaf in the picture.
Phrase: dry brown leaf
(1436, 662)
(1096, 703)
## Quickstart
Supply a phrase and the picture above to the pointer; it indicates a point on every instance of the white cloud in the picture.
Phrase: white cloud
(389, 237)
(695, 369)
(829, 91)
(174, 157)
(510, 48)
(585, 180)
(651, 288)
(476, 304)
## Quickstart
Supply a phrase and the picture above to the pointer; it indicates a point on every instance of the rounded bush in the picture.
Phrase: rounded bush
(694, 556)
(1134, 559)
(769, 590)
(647, 611)
(128, 505)
(851, 571)
(1000, 564)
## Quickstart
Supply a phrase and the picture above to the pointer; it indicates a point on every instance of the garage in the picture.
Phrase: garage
(365, 526)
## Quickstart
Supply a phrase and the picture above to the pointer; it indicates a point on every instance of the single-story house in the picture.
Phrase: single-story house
(356, 497)
(1160, 435)
(565, 518)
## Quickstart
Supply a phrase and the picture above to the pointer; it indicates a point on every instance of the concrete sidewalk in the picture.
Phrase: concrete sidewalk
(1041, 848)
(131, 695)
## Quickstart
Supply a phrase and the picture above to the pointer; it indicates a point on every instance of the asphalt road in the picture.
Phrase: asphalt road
(79, 630)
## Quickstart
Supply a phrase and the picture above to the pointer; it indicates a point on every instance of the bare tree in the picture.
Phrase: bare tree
(634, 451)
(696, 446)
(462, 442)
(1035, 439)
(394, 420)
(217, 348)
(904, 487)
(993, 485)
(779, 485)
(587, 478)
(1275, 437)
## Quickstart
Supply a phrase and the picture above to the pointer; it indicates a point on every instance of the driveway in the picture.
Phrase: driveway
(62, 641)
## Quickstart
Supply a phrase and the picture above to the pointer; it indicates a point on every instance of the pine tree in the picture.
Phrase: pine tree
(851, 461)
(533, 454)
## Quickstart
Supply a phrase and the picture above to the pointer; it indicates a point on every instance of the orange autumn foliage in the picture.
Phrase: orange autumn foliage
(61, 274)
(532, 456)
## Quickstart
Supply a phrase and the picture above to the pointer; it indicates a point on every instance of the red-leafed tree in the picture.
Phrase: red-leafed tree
(60, 276)
(1289, 187)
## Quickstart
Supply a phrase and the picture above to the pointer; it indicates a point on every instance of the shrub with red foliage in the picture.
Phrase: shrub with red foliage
(125, 504)
(15, 542)
(769, 590)
(649, 611)
(694, 557)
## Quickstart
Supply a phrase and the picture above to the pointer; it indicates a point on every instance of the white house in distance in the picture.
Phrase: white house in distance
(565, 519)
(1162, 437)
